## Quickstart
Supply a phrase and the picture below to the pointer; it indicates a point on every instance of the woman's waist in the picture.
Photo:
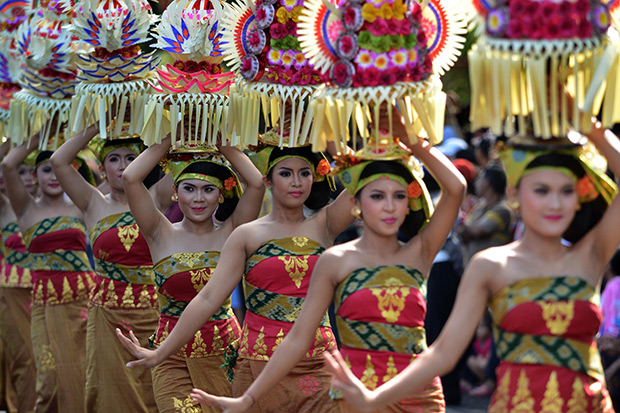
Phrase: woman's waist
(60, 260)
(134, 274)
(61, 287)
(14, 276)
(111, 293)
(212, 338)
(261, 337)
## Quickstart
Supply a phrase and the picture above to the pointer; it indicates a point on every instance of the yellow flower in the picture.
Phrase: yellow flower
(399, 9)
(282, 15)
(296, 13)
(386, 11)
(369, 12)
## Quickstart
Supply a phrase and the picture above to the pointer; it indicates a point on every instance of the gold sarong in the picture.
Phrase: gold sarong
(17, 342)
(59, 341)
(304, 390)
(174, 379)
(110, 385)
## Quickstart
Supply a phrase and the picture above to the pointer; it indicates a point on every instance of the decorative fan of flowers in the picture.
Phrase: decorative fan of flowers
(194, 89)
(529, 47)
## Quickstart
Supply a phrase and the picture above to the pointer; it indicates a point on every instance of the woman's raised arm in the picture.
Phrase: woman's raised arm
(146, 213)
(249, 205)
(17, 192)
(80, 191)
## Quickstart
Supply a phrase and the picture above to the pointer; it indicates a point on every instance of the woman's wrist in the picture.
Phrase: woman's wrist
(249, 399)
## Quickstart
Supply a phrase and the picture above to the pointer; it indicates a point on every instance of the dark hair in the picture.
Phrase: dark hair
(496, 177)
(153, 177)
(320, 191)
(591, 212)
(42, 157)
(225, 209)
(415, 219)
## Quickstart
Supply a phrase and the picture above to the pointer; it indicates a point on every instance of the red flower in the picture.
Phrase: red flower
(414, 190)
(370, 77)
(547, 9)
(421, 37)
(404, 28)
(260, 13)
(323, 167)
(342, 73)
(179, 65)
(581, 7)
(379, 27)
(191, 66)
(567, 27)
(230, 183)
(584, 30)
(586, 189)
(388, 77)
(291, 28)
(277, 31)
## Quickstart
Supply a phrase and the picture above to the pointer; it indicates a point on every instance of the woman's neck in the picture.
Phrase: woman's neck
(53, 201)
(286, 215)
(118, 196)
(549, 248)
(194, 227)
(378, 244)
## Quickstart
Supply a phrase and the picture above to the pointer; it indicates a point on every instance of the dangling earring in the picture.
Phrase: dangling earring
(578, 206)
(513, 204)
(356, 212)
(221, 199)
(174, 198)
(103, 175)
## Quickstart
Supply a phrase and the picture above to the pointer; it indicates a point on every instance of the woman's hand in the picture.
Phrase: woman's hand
(146, 358)
(226, 404)
(352, 389)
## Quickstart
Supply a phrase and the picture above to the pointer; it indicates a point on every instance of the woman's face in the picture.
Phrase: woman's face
(47, 180)
(291, 181)
(384, 206)
(26, 174)
(198, 199)
(548, 202)
(114, 165)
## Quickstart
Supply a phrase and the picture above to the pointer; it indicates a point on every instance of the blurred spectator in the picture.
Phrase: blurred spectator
(490, 223)
(608, 341)
(477, 361)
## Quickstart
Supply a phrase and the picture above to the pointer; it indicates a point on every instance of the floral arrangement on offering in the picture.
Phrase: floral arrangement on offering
(378, 52)
(534, 51)
(49, 74)
(195, 88)
(114, 77)
(10, 19)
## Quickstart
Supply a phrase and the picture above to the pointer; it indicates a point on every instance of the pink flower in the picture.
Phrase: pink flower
(547, 9)
(387, 77)
(567, 27)
(277, 31)
(584, 30)
(370, 77)
(334, 29)
(308, 385)
(421, 37)
(291, 28)
(581, 7)
(404, 28)
(379, 28)
(342, 73)
(515, 29)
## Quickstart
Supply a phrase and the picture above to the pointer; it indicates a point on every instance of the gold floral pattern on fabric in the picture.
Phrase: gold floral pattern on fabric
(15, 273)
(300, 242)
(185, 406)
(577, 402)
(260, 348)
(558, 315)
(296, 267)
(279, 338)
(64, 288)
(391, 298)
(522, 401)
(391, 370)
(44, 359)
(369, 378)
(502, 395)
(200, 277)
(199, 347)
(128, 235)
(552, 402)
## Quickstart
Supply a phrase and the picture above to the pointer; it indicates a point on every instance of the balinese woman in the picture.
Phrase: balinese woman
(15, 299)
(124, 295)
(274, 255)
(185, 254)
(542, 290)
(376, 282)
(54, 234)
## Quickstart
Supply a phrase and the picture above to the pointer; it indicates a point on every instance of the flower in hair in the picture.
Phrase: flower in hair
(230, 183)
(586, 190)
(414, 190)
(323, 167)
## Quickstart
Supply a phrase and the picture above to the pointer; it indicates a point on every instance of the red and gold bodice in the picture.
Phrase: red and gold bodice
(179, 278)
(380, 317)
(60, 269)
(544, 335)
(123, 264)
(15, 271)
(276, 282)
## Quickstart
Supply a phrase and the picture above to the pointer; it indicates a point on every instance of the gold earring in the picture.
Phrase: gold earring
(356, 212)
(513, 204)
(221, 199)
(174, 198)
(103, 176)
(578, 206)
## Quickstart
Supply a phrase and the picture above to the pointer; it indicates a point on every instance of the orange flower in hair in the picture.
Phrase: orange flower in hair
(230, 183)
(323, 167)
(586, 190)
(414, 190)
